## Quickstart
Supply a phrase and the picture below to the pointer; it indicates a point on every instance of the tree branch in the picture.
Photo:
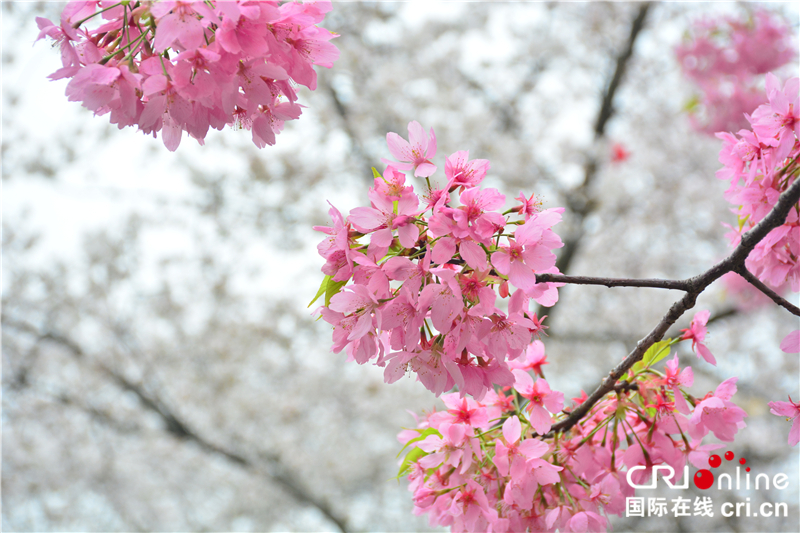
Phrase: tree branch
(607, 107)
(758, 284)
(357, 146)
(578, 200)
(679, 285)
(697, 284)
(181, 430)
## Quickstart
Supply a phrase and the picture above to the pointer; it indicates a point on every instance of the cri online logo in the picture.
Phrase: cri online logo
(704, 479)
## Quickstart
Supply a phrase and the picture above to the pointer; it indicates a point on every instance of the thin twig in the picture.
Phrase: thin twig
(679, 285)
(758, 284)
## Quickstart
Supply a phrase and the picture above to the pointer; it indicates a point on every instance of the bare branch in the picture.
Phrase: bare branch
(758, 284)
(679, 285)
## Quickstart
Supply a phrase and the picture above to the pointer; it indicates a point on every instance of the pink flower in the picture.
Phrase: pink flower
(791, 411)
(384, 216)
(460, 172)
(453, 448)
(416, 152)
(335, 248)
(530, 206)
(619, 153)
(535, 358)
(475, 218)
(540, 400)
(510, 457)
(470, 508)
(725, 58)
(229, 62)
(780, 119)
(178, 21)
(697, 332)
(461, 411)
(392, 184)
(674, 379)
(716, 413)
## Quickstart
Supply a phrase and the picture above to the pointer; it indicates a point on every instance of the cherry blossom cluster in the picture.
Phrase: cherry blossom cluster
(725, 58)
(429, 271)
(191, 65)
(760, 163)
(493, 464)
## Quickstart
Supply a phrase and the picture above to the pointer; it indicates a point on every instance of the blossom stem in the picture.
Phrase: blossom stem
(77, 24)
(120, 49)
(136, 42)
(163, 66)
(125, 23)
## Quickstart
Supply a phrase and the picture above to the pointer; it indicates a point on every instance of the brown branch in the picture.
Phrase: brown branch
(607, 107)
(624, 386)
(357, 146)
(697, 284)
(758, 284)
(181, 430)
(679, 285)
(578, 200)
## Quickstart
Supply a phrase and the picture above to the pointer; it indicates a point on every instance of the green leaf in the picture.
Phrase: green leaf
(691, 105)
(415, 453)
(375, 173)
(321, 291)
(422, 436)
(333, 288)
(411, 457)
(656, 353)
(742, 221)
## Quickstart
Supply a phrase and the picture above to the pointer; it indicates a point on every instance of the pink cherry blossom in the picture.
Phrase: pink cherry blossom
(674, 379)
(529, 206)
(534, 359)
(791, 411)
(195, 65)
(716, 413)
(697, 333)
(461, 172)
(415, 153)
(540, 400)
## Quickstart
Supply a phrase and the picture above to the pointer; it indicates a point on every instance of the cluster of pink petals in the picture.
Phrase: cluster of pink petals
(760, 164)
(427, 272)
(191, 65)
(486, 466)
(726, 58)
